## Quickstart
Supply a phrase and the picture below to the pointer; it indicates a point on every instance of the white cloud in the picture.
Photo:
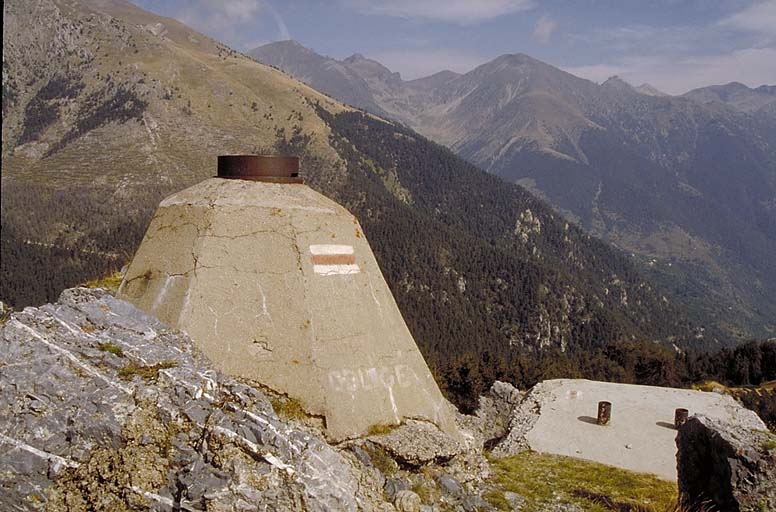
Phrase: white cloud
(419, 63)
(282, 27)
(740, 47)
(464, 12)
(544, 28)
(218, 15)
(760, 18)
(751, 66)
(230, 20)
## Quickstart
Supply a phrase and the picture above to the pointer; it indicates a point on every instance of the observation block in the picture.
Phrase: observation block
(277, 283)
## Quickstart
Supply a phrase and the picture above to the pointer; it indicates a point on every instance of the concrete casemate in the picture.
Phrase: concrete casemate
(277, 283)
(640, 435)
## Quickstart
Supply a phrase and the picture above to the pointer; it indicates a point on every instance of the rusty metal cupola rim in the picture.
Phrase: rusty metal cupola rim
(267, 168)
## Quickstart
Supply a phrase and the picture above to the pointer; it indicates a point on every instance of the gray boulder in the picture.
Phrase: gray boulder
(495, 411)
(418, 443)
(730, 465)
(102, 407)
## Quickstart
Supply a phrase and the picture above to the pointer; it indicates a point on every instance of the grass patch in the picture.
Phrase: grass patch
(380, 430)
(424, 492)
(288, 408)
(111, 348)
(544, 480)
(110, 282)
(145, 372)
(769, 444)
(496, 498)
(381, 460)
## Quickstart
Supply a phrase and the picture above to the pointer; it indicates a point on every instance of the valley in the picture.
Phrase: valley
(687, 184)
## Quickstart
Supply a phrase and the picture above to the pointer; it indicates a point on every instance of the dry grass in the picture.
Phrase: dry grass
(111, 348)
(145, 372)
(381, 460)
(379, 430)
(544, 480)
(288, 408)
(110, 282)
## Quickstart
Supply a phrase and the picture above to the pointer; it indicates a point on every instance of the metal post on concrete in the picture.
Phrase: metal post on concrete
(680, 417)
(604, 413)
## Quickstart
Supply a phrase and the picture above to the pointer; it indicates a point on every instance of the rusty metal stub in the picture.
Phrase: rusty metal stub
(604, 413)
(680, 417)
(272, 169)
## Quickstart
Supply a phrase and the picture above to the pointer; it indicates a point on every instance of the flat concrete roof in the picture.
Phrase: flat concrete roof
(640, 437)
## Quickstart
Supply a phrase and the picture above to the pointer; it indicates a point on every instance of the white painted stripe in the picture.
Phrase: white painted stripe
(331, 249)
(330, 270)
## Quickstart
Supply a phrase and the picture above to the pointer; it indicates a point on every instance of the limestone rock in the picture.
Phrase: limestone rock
(731, 464)
(495, 411)
(450, 485)
(522, 419)
(407, 501)
(417, 443)
(394, 485)
(104, 408)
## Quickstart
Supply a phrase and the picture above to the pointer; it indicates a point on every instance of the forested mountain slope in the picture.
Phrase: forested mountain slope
(109, 108)
(686, 183)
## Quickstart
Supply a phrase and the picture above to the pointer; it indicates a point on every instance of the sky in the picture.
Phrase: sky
(674, 45)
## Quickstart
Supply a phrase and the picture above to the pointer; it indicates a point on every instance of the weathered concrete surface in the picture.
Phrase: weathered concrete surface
(558, 416)
(76, 436)
(731, 466)
(277, 283)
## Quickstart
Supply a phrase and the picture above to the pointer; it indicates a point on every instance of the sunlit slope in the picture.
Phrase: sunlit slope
(135, 97)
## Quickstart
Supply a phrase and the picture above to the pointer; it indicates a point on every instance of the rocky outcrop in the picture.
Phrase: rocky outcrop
(522, 418)
(103, 407)
(727, 465)
(495, 411)
(418, 443)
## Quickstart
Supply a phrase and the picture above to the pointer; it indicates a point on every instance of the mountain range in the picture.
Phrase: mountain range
(108, 108)
(687, 184)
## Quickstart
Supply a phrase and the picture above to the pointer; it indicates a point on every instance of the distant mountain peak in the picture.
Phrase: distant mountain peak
(737, 96)
(616, 81)
(515, 58)
(284, 42)
(648, 90)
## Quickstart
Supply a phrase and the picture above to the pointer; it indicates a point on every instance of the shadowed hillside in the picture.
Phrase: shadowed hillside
(686, 183)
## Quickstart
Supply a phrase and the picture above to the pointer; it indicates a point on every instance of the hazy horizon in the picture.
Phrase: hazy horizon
(673, 46)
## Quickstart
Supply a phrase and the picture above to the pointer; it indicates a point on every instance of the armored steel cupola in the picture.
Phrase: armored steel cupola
(270, 169)
(277, 283)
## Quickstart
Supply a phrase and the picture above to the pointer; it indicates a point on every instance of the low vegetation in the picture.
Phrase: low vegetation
(379, 430)
(110, 282)
(111, 348)
(288, 408)
(145, 372)
(381, 460)
(43, 109)
(544, 481)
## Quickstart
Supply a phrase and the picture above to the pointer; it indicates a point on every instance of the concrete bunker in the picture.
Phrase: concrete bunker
(277, 283)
